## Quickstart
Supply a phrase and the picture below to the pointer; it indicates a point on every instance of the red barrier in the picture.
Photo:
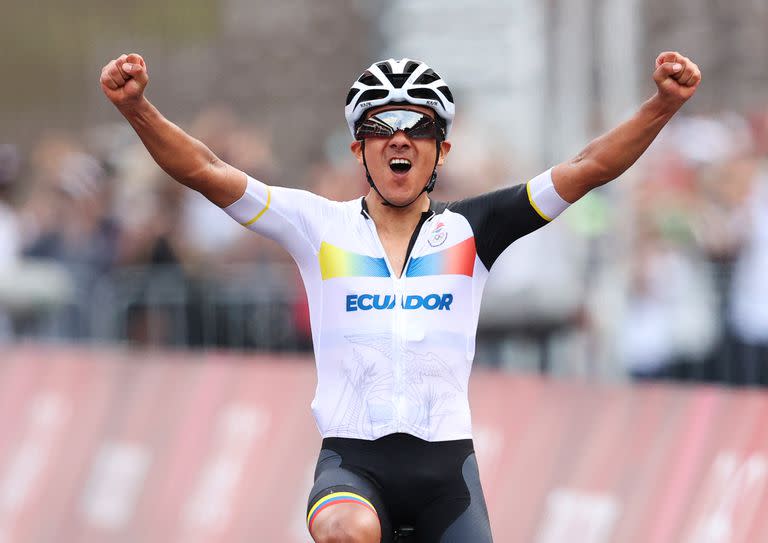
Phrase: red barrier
(108, 445)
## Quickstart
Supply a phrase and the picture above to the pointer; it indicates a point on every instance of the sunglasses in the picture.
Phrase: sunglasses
(385, 123)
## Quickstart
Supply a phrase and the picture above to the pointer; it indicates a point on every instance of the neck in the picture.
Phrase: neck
(396, 219)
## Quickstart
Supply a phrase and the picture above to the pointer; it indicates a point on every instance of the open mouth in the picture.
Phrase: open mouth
(400, 165)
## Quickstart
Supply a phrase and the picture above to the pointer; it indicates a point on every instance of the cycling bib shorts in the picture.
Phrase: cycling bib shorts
(433, 487)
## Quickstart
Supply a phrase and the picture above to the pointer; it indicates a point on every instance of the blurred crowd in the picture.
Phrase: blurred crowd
(660, 275)
(697, 297)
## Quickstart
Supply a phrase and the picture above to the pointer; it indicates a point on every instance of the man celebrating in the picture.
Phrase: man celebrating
(394, 281)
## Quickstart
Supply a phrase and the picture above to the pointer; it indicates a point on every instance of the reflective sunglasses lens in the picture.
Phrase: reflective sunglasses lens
(374, 128)
(426, 128)
(386, 123)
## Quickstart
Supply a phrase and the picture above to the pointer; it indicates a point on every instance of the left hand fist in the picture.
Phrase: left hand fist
(676, 77)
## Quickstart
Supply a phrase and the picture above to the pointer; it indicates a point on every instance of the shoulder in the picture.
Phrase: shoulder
(262, 203)
(500, 217)
(488, 201)
(536, 198)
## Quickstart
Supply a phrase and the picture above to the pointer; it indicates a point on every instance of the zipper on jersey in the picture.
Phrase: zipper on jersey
(397, 371)
(397, 346)
(398, 322)
(425, 216)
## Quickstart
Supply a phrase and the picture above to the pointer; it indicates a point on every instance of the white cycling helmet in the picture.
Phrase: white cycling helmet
(399, 81)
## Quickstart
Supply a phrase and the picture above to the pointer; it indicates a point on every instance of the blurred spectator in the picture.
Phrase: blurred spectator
(69, 225)
(30, 290)
(340, 183)
(748, 309)
(668, 327)
(79, 230)
(207, 233)
(10, 235)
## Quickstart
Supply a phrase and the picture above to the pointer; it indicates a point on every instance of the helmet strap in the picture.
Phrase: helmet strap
(427, 188)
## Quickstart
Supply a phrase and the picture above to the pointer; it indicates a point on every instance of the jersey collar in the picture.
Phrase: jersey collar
(434, 207)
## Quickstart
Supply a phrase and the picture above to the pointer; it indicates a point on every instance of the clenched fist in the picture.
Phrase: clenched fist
(676, 77)
(124, 79)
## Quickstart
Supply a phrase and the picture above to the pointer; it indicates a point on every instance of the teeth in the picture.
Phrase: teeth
(400, 161)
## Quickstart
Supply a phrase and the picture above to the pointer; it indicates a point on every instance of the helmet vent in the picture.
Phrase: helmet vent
(398, 79)
(447, 92)
(426, 78)
(384, 67)
(425, 94)
(369, 79)
(411, 67)
(373, 94)
(352, 92)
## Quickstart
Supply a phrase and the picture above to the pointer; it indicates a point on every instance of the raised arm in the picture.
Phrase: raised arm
(186, 159)
(610, 155)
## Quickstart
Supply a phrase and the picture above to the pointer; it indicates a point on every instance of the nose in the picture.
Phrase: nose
(399, 140)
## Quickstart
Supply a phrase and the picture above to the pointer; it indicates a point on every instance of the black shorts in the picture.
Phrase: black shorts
(433, 487)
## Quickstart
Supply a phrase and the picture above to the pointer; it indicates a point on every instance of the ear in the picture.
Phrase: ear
(357, 150)
(445, 148)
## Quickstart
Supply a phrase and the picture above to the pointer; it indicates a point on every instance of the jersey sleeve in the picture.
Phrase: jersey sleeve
(293, 218)
(499, 218)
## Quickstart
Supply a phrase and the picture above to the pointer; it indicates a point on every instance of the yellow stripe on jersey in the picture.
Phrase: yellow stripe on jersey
(533, 204)
(257, 217)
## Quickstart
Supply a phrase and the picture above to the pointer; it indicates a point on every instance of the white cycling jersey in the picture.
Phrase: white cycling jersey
(393, 353)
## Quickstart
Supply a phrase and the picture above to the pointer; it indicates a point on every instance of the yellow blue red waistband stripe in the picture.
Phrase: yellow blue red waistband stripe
(333, 499)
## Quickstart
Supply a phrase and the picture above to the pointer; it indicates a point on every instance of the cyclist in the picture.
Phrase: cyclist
(394, 281)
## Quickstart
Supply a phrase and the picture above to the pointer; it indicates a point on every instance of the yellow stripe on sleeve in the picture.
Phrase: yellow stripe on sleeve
(266, 207)
(533, 204)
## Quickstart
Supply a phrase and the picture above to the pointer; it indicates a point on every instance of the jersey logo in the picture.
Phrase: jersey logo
(366, 302)
(439, 235)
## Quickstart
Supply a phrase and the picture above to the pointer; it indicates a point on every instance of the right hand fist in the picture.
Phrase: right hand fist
(124, 79)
